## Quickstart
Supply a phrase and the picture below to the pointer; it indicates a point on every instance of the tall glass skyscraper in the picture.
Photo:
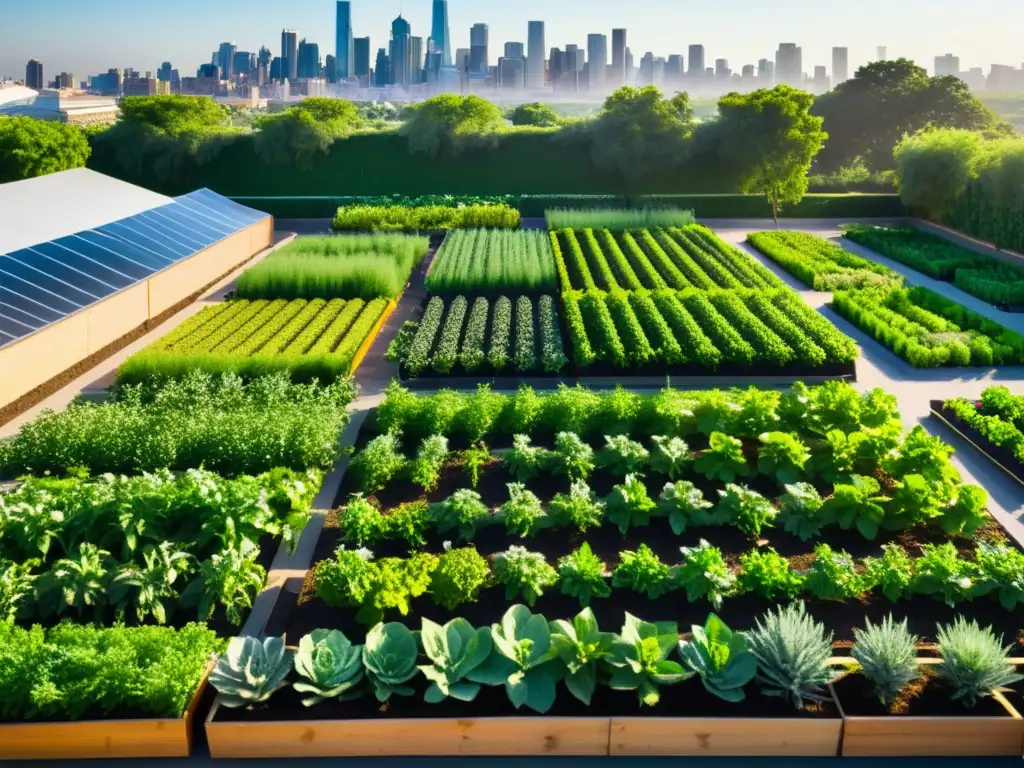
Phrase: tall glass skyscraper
(440, 33)
(618, 57)
(343, 51)
(400, 60)
(478, 58)
(535, 55)
(289, 54)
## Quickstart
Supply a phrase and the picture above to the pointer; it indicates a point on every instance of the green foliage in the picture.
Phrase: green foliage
(378, 463)
(723, 460)
(685, 505)
(430, 460)
(389, 657)
(298, 135)
(746, 509)
(643, 571)
(361, 523)
(572, 457)
(30, 148)
(629, 505)
(458, 578)
(892, 573)
(941, 573)
(616, 220)
(581, 647)
(705, 574)
(579, 508)
(974, 661)
(622, 456)
(449, 125)
(833, 575)
(583, 575)
(250, 671)
(473, 460)
(492, 260)
(428, 218)
(454, 650)
(887, 654)
(820, 263)
(792, 651)
(639, 658)
(1000, 572)
(800, 511)
(782, 455)
(856, 505)
(522, 513)
(967, 512)
(720, 657)
(524, 460)
(535, 113)
(354, 579)
(767, 573)
(463, 512)
(669, 456)
(525, 574)
(329, 666)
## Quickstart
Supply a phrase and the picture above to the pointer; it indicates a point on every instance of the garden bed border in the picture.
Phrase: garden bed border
(976, 440)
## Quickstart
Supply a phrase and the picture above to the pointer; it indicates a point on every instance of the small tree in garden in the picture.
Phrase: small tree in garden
(772, 138)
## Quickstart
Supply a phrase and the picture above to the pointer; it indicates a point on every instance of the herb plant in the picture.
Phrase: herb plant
(800, 511)
(473, 460)
(579, 508)
(426, 468)
(669, 456)
(583, 575)
(723, 460)
(974, 661)
(525, 461)
(887, 654)
(704, 573)
(463, 512)
(792, 651)
(833, 575)
(525, 574)
(458, 578)
(522, 512)
(378, 463)
(685, 505)
(643, 572)
(628, 505)
(361, 523)
(746, 509)
(892, 573)
(572, 457)
(622, 456)
(765, 572)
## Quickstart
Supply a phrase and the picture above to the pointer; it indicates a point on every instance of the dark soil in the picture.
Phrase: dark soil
(929, 696)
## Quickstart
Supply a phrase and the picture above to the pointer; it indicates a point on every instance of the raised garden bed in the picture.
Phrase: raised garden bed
(1001, 456)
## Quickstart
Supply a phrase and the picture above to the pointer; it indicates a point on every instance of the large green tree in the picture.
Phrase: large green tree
(30, 147)
(866, 116)
(535, 113)
(299, 133)
(449, 124)
(769, 138)
(639, 131)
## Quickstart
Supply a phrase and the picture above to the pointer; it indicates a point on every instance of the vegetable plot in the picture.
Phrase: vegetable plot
(484, 260)
(821, 264)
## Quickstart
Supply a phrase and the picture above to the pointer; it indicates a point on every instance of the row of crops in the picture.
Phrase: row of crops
(917, 324)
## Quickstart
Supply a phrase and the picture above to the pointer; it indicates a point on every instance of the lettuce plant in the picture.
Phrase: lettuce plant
(855, 504)
(583, 575)
(329, 666)
(622, 456)
(892, 573)
(685, 505)
(1000, 572)
(670, 456)
(525, 574)
(723, 460)
(720, 657)
(581, 647)
(389, 657)
(704, 573)
(458, 578)
(361, 523)
(782, 456)
(579, 508)
(640, 662)
(941, 573)
(454, 650)
(463, 512)
(522, 512)
(746, 509)
(800, 511)
(966, 512)
(833, 575)
(643, 572)
(628, 505)
(408, 522)
(767, 573)
(251, 671)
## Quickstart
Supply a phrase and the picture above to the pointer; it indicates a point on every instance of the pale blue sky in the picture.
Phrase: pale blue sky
(88, 36)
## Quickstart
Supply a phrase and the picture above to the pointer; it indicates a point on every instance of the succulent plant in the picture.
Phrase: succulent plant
(390, 660)
(250, 671)
(330, 666)
(791, 649)
(720, 657)
(455, 650)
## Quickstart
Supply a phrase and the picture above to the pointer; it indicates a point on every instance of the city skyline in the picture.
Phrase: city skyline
(980, 34)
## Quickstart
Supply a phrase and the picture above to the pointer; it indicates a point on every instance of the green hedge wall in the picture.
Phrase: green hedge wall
(991, 214)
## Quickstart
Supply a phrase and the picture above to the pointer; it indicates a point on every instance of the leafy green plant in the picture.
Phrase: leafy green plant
(378, 463)
(966, 512)
(572, 457)
(75, 583)
(361, 523)
(746, 509)
(629, 505)
(250, 671)
(583, 575)
(800, 511)
(389, 657)
(670, 456)
(640, 662)
(425, 469)
(941, 573)
(685, 505)
(1000, 571)
(581, 646)
(348, 580)
(231, 579)
(783, 456)
(146, 588)
(354, 579)
(525, 461)
(887, 654)
(792, 652)
(463, 512)
(523, 660)
(526, 574)
(16, 584)
(892, 573)
(833, 575)
(723, 460)
(704, 573)
(720, 657)
(765, 572)
(454, 650)
(974, 661)
(643, 572)
(855, 504)
(458, 578)
(522, 512)
(474, 459)
(622, 456)
(330, 667)
(579, 508)
(408, 522)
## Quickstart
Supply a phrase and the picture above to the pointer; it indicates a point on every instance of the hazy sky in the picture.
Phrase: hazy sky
(89, 36)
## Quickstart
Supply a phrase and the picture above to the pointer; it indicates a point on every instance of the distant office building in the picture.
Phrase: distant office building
(382, 69)
(242, 63)
(277, 68)
(263, 59)
(139, 86)
(164, 73)
(289, 54)
(343, 53)
(226, 60)
(881, 53)
(597, 61)
(618, 57)
(748, 72)
(789, 65)
(1005, 79)
(515, 50)
(65, 81)
(34, 75)
(629, 74)
(416, 58)
(309, 60)
(432, 65)
(331, 68)
(208, 72)
(462, 60)
(399, 58)
(975, 78)
(361, 60)
(674, 69)
(108, 84)
(820, 82)
(512, 71)
(440, 32)
(722, 70)
(696, 53)
(766, 71)
(535, 54)
(840, 66)
(647, 69)
(947, 65)
(478, 56)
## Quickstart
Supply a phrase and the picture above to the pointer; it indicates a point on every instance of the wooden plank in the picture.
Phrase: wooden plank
(95, 739)
(932, 736)
(667, 736)
(379, 738)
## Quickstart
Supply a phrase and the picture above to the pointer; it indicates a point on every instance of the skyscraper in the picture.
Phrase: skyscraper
(766, 71)
(289, 54)
(309, 60)
(440, 33)
(416, 54)
(263, 60)
(331, 68)
(382, 69)
(34, 74)
(597, 61)
(696, 69)
(164, 73)
(789, 65)
(535, 55)
(882, 53)
(478, 57)
(225, 60)
(947, 65)
(630, 75)
(515, 51)
(400, 60)
(618, 57)
(343, 52)
(840, 66)
(361, 60)
(240, 62)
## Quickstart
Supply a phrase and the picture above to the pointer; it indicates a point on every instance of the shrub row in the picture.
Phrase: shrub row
(821, 264)
(493, 260)
(997, 417)
(399, 218)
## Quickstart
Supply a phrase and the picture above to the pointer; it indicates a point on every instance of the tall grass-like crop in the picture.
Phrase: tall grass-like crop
(494, 260)
(336, 267)
(426, 218)
(617, 219)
